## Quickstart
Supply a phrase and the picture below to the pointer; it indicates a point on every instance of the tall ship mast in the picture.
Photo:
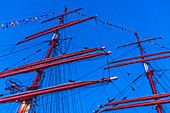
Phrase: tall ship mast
(57, 70)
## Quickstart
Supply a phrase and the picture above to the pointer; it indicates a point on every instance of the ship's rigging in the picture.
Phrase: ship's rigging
(29, 97)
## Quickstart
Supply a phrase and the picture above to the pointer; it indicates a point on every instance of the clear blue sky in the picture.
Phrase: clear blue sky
(150, 18)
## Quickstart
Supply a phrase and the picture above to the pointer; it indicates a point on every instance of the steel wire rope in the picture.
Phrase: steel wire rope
(28, 15)
(157, 73)
(21, 50)
(119, 69)
(139, 89)
(125, 38)
(76, 73)
(115, 35)
(137, 94)
(24, 58)
(128, 51)
(130, 86)
(127, 87)
(66, 92)
(76, 99)
(100, 94)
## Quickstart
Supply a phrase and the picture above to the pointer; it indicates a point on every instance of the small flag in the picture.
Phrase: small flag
(6, 25)
(30, 19)
(17, 22)
(3, 26)
(14, 23)
(130, 31)
(24, 21)
(35, 18)
(10, 23)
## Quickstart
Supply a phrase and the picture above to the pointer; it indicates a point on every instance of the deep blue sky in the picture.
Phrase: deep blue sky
(150, 18)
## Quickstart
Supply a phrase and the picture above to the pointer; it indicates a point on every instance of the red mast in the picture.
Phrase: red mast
(53, 44)
(149, 75)
(38, 77)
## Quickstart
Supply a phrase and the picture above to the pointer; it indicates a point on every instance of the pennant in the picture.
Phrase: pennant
(39, 17)
(49, 14)
(35, 18)
(44, 16)
(17, 22)
(10, 23)
(25, 21)
(107, 23)
(14, 23)
(30, 19)
(3, 26)
(6, 25)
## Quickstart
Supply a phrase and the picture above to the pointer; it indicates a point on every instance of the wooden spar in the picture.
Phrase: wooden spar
(52, 64)
(139, 42)
(33, 93)
(137, 61)
(140, 57)
(55, 29)
(53, 59)
(137, 99)
(135, 105)
(62, 15)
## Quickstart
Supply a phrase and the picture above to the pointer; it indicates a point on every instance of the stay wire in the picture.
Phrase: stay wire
(21, 50)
